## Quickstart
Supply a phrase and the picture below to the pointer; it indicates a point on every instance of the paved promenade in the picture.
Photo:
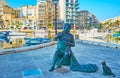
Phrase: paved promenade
(36, 63)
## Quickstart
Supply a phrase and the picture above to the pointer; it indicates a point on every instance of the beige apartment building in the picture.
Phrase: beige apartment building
(50, 15)
(46, 14)
(17, 23)
(7, 13)
(6, 18)
(4, 9)
(41, 14)
(12, 23)
(28, 13)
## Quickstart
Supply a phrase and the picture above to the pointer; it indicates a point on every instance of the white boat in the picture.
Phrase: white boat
(17, 34)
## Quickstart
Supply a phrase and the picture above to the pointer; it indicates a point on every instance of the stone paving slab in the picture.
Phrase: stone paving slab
(13, 65)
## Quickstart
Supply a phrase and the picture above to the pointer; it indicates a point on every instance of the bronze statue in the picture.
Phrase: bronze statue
(64, 54)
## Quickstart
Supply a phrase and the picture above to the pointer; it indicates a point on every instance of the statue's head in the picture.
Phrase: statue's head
(67, 27)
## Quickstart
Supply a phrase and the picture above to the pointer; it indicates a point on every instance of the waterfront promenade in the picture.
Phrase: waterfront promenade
(36, 63)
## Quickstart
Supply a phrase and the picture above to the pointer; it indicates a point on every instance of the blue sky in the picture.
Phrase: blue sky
(102, 9)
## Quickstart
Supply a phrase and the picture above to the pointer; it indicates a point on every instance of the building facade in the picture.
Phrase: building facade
(68, 11)
(41, 14)
(6, 18)
(4, 9)
(87, 19)
(7, 13)
(45, 14)
(3, 2)
(50, 12)
(29, 15)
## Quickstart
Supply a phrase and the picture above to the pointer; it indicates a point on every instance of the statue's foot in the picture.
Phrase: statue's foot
(113, 75)
(59, 66)
(51, 69)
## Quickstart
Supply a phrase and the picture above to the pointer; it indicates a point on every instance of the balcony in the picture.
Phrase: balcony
(70, 3)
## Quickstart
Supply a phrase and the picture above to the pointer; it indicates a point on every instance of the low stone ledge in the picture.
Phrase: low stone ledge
(25, 49)
(101, 44)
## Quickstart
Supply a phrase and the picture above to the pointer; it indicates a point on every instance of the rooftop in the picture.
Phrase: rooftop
(36, 63)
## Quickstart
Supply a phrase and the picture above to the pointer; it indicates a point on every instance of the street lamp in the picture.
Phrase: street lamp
(55, 18)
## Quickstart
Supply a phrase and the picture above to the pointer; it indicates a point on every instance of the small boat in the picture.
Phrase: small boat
(4, 33)
(17, 34)
(35, 41)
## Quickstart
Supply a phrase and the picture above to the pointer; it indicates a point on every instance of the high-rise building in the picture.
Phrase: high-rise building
(87, 19)
(68, 11)
(50, 11)
(41, 14)
(45, 14)
(29, 15)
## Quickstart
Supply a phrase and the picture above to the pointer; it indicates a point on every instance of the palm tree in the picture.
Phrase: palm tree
(117, 23)
(100, 26)
(40, 26)
(49, 25)
(108, 38)
(110, 25)
(88, 26)
(106, 25)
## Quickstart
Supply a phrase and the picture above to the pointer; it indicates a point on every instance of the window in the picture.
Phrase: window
(49, 9)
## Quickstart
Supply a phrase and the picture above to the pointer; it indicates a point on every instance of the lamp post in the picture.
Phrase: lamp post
(55, 18)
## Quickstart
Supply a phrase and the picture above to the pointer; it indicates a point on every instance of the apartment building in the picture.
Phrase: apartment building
(41, 14)
(6, 18)
(87, 19)
(45, 14)
(68, 11)
(29, 15)
(17, 23)
(4, 9)
(50, 12)
(7, 13)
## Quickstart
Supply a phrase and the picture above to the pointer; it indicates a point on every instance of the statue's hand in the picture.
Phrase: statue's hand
(59, 35)
(68, 43)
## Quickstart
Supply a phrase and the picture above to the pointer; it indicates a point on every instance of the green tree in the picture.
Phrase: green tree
(40, 26)
(18, 24)
(49, 25)
(88, 26)
(100, 26)
(117, 23)
(12, 27)
(12, 23)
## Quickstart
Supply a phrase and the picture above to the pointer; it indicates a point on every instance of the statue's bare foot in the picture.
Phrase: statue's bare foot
(59, 66)
(51, 69)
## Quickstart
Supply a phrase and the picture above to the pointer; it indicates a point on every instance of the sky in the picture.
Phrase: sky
(102, 9)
